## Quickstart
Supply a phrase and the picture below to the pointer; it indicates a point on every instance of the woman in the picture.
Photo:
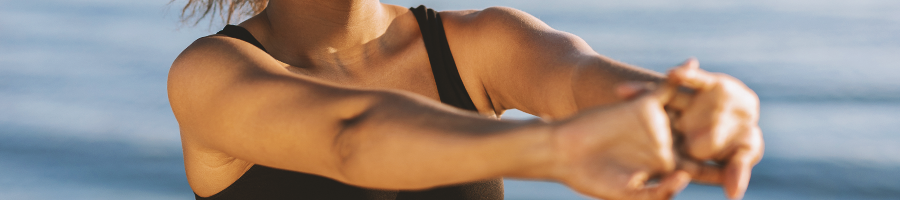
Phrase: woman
(342, 99)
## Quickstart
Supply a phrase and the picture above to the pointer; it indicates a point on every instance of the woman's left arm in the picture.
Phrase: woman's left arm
(525, 64)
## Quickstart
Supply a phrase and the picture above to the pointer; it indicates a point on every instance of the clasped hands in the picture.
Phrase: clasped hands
(635, 150)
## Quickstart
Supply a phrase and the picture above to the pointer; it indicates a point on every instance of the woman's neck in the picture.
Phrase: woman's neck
(324, 28)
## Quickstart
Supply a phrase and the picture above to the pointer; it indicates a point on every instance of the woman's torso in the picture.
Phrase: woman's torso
(398, 61)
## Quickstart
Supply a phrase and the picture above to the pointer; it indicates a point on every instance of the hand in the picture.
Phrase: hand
(719, 123)
(612, 152)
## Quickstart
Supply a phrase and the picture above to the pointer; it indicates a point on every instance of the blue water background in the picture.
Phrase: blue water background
(84, 114)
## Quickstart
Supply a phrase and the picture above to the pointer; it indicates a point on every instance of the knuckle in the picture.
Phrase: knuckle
(723, 78)
(734, 88)
(745, 114)
(701, 147)
(743, 160)
(758, 140)
(662, 161)
(719, 78)
(666, 160)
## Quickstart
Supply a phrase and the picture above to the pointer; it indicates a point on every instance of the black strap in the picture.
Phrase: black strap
(241, 33)
(450, 86)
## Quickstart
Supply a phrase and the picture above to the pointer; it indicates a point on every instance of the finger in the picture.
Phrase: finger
(631, 89)
(702, 172)
(689, 74)
(678, 73)
(708, 127)
(737, 173)
(710, 143)
(666, 189)
(682, 99)
(663, 94)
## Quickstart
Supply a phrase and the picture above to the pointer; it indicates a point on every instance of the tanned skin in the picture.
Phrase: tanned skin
(346, 92)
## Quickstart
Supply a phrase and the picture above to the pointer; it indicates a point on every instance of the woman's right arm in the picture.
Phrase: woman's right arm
(231, 97)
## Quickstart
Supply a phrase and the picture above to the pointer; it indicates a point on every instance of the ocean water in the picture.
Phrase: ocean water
(84, 114)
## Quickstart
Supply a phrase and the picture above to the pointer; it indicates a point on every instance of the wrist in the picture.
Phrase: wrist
(539, 158)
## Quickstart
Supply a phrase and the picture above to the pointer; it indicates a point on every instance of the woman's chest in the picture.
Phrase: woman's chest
(408, 72)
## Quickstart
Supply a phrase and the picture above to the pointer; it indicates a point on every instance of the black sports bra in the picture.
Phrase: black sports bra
(261, 182)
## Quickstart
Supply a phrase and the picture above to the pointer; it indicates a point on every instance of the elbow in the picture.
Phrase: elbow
(359, 143)
(356, 130)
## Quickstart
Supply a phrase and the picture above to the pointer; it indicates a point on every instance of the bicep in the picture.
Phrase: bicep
(540, 70)
(230, 97)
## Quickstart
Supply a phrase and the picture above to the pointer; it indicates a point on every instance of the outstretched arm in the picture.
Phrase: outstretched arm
(230, 97)
(554, 74)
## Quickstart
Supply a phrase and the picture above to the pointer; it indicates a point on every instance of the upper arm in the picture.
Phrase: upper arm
(229, 96)
(527, 65)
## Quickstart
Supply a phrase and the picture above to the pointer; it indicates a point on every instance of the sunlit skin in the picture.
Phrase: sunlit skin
(346, 92)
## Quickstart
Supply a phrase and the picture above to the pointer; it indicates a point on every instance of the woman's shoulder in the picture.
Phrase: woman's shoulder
(496, 27)
(211, 64)
(497, 19)
(216, 49)
(502, 32)
(218, 54)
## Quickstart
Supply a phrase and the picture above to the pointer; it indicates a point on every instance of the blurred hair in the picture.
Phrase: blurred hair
(227, 10)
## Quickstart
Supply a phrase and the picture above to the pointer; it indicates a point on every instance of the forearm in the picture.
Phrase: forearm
(404, 142)
(255, 110)
(371, 138)
(375, 139)
(595, 79)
